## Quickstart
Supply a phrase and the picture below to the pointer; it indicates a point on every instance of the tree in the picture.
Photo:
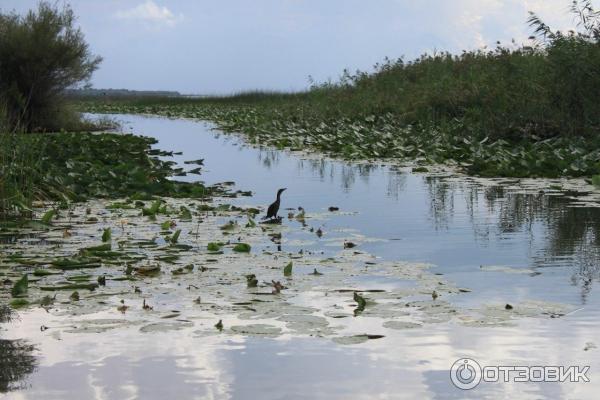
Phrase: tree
(41, 55)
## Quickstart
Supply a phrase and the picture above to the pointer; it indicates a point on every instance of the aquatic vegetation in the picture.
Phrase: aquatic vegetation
(173, 239)
(106, 235)
(242, 248)
(20, 287)
(48, 215)
(212, 246)
(361, 303)
(175, 286)
(18, 303)
(74, 167)
(287, 270)
(386, 137)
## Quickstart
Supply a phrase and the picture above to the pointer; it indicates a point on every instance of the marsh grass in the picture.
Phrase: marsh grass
(20, 169)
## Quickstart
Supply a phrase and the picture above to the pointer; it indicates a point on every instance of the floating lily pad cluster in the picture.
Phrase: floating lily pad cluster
(126, 269)
(386, 137)
(79, 166)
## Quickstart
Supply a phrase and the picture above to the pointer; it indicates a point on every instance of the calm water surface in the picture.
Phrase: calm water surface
(545, 249)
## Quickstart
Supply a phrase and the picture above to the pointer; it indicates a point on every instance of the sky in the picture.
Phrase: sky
(227, 46)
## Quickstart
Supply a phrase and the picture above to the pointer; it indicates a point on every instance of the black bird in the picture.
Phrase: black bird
(274, 208)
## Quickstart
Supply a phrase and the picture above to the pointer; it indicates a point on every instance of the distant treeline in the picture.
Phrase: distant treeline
(90, 92)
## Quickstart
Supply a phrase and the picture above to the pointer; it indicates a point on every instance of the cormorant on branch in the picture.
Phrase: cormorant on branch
(274, 208)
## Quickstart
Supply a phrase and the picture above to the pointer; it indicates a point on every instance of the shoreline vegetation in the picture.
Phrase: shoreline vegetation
(511, 111)
(74, 167)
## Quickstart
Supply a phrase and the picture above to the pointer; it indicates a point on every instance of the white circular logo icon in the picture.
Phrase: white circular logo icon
(465, 373)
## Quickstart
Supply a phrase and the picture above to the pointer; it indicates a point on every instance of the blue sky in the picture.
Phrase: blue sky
(223, 46)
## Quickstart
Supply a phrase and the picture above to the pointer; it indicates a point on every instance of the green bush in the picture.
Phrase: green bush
(41, 55)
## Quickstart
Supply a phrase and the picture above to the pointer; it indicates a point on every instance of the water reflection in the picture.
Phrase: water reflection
(549, 227)
(16, 358)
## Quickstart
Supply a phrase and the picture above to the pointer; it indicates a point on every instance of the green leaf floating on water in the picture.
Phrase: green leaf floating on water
(362, 303)
(45, 272)
(47, 217)
(185, 214)
(287, 270)
(71, 286)
(106, 235)
(76, 262)
(212, 246)
(242, 248)
(230, 226)
(20, 287)
(175, 236)
(153, 209)
(102, 247)
(148, 269)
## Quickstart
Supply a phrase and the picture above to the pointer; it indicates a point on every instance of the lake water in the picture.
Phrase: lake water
(504, 242)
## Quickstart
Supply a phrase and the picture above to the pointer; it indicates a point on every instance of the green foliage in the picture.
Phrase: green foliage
(69, 166)
(106, 235)
(19, 303)
(153, 209)
(212, 246)
(175, 236)
(242, 248)
(287, 270)
(101, 247)
(42, 54)
(20, 167)
(361, 303)
(48, 216)
(20, 287)
(185, 214)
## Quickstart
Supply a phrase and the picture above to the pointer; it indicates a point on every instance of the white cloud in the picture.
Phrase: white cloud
(150, 12)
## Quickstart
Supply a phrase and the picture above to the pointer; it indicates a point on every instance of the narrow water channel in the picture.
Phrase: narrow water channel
(505, 243)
